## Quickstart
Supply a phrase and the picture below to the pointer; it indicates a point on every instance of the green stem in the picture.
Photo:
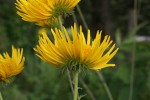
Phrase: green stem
(1, 98)
(99, 74)
(75, 93)
(105, 85)
(75, 88)
(74, 18)
(82, 17)
(133, 52)
(60, 23)
(89, 92)
(70, 80)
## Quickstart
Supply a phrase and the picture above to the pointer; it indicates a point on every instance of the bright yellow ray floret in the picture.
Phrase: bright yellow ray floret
(92, 54)
(43, 12)
(11, 66)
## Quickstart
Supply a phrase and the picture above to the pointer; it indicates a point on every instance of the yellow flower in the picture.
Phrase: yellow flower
(44, 12)
(11, 66)
(76, 52)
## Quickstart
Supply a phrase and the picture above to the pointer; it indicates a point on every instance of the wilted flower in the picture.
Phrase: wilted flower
(76, 52)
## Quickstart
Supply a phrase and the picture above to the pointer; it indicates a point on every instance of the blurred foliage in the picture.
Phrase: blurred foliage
(41, 81)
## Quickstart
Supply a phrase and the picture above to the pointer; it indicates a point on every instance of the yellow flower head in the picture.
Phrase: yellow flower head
(44, 12)
(76, 52)
(11, 66)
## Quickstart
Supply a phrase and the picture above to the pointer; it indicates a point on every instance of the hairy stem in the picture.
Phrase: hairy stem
(75, 79)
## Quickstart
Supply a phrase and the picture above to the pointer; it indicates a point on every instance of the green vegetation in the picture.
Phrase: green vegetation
(40, 81)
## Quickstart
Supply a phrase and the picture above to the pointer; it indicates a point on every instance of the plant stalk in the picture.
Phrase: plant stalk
(60, 23)
(82, 17)
(75, 93)
(89, 92)
(1, 98)
(136, 11)
(74, 18)
(75, 88)
(105, 85)
(70, 80)
(98, 73)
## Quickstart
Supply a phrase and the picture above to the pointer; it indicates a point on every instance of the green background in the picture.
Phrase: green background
(41, 81)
